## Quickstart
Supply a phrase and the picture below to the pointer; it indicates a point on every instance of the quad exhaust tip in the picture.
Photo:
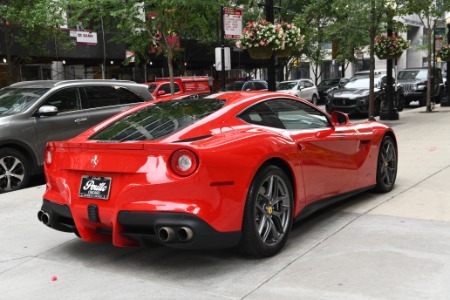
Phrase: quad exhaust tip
(167, 234)
(44, 217)
(185, 234)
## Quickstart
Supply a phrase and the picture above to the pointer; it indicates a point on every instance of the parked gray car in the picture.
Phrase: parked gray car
(35, 112)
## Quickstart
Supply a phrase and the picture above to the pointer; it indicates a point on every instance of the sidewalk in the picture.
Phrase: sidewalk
(373, 246)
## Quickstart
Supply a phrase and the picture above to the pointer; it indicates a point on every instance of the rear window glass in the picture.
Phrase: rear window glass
(159, 120)
(15, 100)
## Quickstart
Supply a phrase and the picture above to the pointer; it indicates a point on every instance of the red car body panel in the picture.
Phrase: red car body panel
(322, 163)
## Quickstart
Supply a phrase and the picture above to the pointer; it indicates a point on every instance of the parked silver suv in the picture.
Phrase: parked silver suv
(35, 112)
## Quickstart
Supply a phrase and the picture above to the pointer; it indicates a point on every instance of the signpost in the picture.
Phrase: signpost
(231, 20)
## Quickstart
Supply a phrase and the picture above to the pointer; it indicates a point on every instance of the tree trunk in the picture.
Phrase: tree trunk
(429, 75)
(170, 66)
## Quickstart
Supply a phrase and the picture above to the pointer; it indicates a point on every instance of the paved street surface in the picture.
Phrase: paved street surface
(373, 246)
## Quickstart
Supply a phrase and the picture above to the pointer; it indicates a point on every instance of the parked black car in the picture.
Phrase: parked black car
(35, 112)
(414, 82)
(326, 86)
(353, 97)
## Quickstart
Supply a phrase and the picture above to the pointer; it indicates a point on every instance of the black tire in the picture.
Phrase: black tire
(423, 101)
(14, 170)
(377, 107)
(440, 96)
(386, 165)
(400, 103)
(268, 213)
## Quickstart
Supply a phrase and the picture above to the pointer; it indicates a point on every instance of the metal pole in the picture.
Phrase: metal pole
(271, 64)
(389, 111)
(222, 50)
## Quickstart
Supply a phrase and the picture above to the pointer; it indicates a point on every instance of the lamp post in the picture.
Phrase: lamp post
(389, 111)
(270, 17)
(446, 100)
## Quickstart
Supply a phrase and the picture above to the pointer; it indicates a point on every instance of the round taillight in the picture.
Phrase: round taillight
(184, 162)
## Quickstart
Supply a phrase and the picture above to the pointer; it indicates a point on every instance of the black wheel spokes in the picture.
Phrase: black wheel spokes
(388, 164)
(11, 173)
(272, 210)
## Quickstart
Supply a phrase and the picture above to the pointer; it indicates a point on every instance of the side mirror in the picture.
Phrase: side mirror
(47, 111)
(161, 93)
(339, 118)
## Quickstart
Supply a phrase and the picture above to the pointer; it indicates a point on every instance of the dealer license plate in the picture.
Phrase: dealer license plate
(95, 187)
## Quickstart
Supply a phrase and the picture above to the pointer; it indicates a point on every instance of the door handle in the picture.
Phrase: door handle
(80, 120)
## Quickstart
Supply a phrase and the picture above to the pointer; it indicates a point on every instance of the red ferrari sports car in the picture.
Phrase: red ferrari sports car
(226, 170)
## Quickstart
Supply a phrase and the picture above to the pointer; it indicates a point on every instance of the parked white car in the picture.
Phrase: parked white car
(303, 88)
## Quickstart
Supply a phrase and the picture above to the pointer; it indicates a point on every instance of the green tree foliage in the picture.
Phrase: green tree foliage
(429, 12)
(31, 25)
(153, 26)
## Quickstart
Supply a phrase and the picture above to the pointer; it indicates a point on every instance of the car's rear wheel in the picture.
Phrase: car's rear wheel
(14, 170)
(387, 165)
(268, 213)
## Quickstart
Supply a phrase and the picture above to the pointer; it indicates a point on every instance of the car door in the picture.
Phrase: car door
(308, 90)
(70, 120)
(327, 154)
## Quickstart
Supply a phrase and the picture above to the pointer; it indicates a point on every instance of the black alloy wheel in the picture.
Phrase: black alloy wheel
(268, 213)
(14, 170)
(387, 165)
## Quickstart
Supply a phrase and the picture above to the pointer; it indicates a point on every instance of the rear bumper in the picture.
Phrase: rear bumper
(146, 228)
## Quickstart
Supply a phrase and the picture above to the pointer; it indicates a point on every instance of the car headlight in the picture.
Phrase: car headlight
(363, 101)
(420, 87)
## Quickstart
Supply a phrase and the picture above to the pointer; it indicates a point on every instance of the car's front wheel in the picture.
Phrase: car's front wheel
(387, 165)
(14, 170)
(268, 213)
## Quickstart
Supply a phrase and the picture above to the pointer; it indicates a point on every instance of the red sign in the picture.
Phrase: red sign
(232, 23)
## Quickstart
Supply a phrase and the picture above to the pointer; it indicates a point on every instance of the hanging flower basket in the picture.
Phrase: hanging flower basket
(390, 47)
(387, 56)
(444, 52)
(282, 53)
(260, 52)
(261, 38)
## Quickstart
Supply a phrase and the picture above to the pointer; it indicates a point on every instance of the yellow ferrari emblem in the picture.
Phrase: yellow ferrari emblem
(269, 210)
(356, 131)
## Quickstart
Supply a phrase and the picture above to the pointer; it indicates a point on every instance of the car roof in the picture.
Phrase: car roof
(376, 72)
(419, 68)
(54, 83)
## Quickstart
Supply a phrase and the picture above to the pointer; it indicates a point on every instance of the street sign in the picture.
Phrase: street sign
(218, 53)
(232, 23)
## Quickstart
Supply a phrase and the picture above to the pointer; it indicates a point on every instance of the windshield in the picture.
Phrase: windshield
(152, 87)
(413, 74)
(234, 86)
(159, 120)
(15, 100)
(359, 82)
(329, 82)
(286, 85)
